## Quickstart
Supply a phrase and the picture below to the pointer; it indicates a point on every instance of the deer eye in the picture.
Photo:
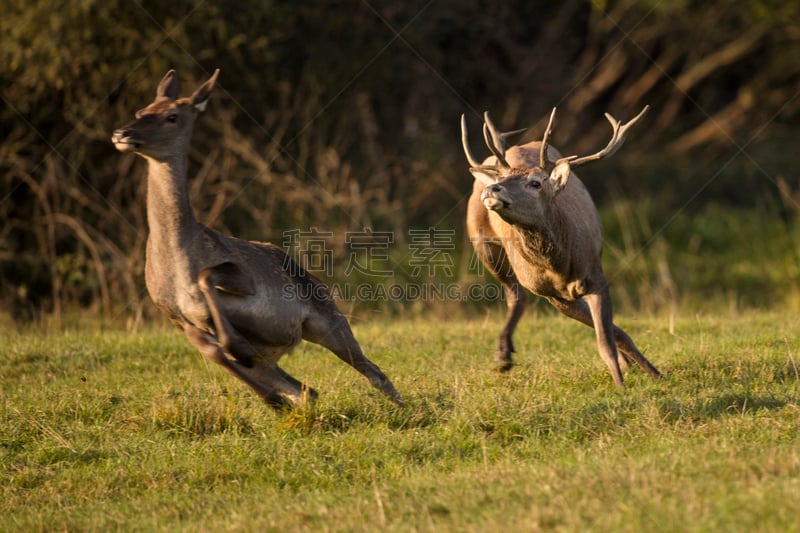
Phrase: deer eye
(533, 184)
(172, 117)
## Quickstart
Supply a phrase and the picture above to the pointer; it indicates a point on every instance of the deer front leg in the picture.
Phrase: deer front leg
(276, 387)
(212, 351)
(267, 371)
(602, 320)
(227, 278)
(579, 310)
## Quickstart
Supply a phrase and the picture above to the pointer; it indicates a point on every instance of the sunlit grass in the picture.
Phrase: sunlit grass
(104, 430)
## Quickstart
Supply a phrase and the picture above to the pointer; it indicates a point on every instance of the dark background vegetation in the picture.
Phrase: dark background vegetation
(344, 115)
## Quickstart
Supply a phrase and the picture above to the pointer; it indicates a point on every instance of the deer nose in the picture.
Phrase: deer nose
(491, 191)
(124, 139)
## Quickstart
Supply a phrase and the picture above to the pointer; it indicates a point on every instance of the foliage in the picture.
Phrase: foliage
(103, 430)
(344, 116)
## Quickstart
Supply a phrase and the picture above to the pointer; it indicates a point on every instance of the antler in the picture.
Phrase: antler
(495, 141)
(543, 150)
(620, 131)
(474, 163)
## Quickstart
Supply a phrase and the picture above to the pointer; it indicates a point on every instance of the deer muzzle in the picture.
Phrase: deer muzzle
(124, 140)
(495, 197)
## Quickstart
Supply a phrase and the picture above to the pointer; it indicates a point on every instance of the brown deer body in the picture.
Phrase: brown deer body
(243, 304)
(534, 226)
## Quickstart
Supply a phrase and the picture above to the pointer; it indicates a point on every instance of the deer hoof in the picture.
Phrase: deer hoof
(503, 364)
(277, 401)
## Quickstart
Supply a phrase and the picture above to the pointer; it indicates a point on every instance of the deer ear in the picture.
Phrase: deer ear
(560, 174)
(168, 88)
(487, 176)
(200, 97)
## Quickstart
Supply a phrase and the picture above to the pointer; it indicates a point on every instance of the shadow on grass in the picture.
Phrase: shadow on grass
(714, 408)
(339, 418)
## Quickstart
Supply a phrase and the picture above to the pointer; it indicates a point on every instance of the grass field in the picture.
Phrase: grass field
(107, 430)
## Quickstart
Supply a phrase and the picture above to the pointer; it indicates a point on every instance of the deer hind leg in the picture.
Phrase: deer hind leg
(629, 353)
(268, 371)
(494, 258)
(274, 385)
(334, 333)
(296, 389)
(227, 278)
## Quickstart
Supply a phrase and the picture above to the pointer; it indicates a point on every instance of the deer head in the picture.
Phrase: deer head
(520, 194)
(163, 128)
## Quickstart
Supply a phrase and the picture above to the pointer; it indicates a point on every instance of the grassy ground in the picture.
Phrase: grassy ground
(103, 430)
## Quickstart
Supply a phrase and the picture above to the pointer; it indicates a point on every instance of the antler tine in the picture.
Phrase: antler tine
(494, 140)
(623, 129)
(506, 134)
(465, 143)
(546, 139)
(497, 151)
(619, 132)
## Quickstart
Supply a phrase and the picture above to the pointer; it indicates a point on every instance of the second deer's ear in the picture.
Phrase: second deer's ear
(200, 97)
(560, 174)
(485, 175)
(168, 87)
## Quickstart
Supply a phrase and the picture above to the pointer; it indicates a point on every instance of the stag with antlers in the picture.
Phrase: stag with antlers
(534, 226)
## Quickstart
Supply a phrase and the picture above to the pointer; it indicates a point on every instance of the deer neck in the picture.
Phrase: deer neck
(169, 213)
(543, 242)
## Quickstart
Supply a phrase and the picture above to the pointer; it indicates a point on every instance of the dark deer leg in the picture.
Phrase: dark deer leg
(494, 258)
(516, 301)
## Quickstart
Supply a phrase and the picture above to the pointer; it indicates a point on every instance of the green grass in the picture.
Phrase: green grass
(103, 430)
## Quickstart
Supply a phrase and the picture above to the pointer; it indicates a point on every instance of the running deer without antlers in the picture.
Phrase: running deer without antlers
(238, 302)
(534, 226)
